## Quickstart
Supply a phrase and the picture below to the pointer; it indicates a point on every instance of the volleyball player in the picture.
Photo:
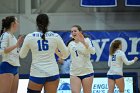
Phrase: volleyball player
(116, 59)
(81, 69)
(44, 69)
(10, 58)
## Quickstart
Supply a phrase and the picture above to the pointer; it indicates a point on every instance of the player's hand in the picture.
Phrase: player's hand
(80, 37)
(56, 50)
(58, 53)
(135, 59)
(19, 41)
(60, 60)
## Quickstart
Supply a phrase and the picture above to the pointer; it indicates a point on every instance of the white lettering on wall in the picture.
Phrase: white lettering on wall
(134, 44)
(99, 49)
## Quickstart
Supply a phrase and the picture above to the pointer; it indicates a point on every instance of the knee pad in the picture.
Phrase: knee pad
(33, 91)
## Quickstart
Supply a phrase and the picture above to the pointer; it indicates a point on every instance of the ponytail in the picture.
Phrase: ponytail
(3, 26)
(44, 30)
(6, 23)
(114, 46)
(42, 23)
(2, 31)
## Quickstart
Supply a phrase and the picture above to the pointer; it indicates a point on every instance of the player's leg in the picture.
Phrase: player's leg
(7, 75)
(51, 87)
(6, 81)
(111, 84)
(51, 84)
(87, 83)
(120, 84)
(15, 84)
(35, 84)
(75, 83)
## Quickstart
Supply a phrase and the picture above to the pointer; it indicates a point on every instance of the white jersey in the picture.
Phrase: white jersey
(43, 59)
(80, 55)
(12, 57)
(116, 61)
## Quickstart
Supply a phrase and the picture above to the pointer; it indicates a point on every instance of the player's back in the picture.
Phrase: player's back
(115, 62)
(43, 59)
(116, 58)
(43, 50)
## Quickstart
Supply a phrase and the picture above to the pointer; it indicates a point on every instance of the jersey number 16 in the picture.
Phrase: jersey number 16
(42, 45)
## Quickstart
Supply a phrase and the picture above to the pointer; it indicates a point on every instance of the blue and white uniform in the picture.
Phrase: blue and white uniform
(10, 61)
(116, 61)
(43, 59)
(80, 55)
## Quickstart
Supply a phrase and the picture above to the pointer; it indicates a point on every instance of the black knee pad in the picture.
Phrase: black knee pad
(32, 91)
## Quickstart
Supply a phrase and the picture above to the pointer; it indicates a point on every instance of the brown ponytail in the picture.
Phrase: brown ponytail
(6, 23)
(114, 46)
(42, 23)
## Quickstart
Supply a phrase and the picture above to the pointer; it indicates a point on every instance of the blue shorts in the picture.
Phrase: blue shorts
(43, 80)
(114, 77)
(86, 76)
(5, 67)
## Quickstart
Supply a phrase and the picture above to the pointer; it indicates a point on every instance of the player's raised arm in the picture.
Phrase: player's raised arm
(91, 48)
(126, 61)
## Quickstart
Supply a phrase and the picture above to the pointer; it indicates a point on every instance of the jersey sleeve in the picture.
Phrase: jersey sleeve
(25, 47)
(62, 47)
(109, 61)
(4, 42)
(125, 60)
(91, 48)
